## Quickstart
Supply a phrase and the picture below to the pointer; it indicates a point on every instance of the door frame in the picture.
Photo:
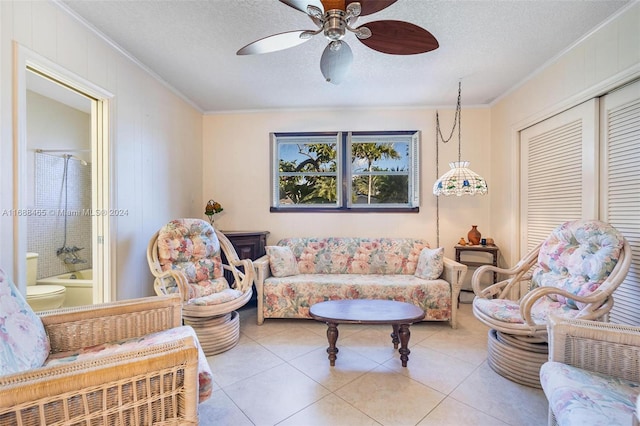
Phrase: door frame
(26, 60)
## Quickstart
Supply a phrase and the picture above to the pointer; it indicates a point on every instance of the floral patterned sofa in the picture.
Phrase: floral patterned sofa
(298, 272)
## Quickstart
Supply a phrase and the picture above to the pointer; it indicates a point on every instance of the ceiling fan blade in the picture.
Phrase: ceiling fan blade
(372, 6)
(336, 61)
(399, 38)
(273, 43)
(301, 5)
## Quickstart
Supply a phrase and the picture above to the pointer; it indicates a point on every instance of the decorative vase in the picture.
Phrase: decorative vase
(474, 235)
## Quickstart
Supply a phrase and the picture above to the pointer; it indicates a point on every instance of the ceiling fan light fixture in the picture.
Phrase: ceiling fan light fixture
(334, 18)
(336, 61)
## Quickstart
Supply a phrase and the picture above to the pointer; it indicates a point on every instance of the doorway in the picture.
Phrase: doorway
(62, 181)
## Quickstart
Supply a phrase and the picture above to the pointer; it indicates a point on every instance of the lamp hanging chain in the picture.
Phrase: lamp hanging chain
(459, 112)
(456, 122)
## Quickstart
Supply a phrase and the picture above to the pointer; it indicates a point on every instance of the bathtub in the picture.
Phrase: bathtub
(79, 286)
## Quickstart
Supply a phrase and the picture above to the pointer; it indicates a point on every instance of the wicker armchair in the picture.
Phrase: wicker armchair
(572, 274)
(150, 385)
(185, 258)
(593, 373)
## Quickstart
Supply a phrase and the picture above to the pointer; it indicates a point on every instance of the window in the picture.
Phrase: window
(345, 171)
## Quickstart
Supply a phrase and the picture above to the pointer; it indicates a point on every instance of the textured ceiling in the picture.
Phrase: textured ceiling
(491, 46)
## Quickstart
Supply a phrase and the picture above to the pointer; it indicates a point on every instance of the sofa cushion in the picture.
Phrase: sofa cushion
(205, 376)
(345, 255)
(291, 297)
(282, 261)
(580, 397)
(430, 263)
(23, 341)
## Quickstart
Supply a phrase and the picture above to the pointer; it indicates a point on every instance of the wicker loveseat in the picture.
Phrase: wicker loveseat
(127, 362)
(298, 272)
(593, 373)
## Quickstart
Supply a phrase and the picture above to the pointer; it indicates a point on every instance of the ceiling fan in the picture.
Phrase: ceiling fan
(333, 19)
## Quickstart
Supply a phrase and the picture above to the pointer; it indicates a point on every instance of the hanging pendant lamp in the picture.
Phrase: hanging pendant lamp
(460, 180)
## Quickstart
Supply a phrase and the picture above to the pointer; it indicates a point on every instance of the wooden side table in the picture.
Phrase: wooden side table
(492, 250)
(248, 244)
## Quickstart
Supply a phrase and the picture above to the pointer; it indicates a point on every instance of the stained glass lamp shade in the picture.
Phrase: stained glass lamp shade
(460, 180)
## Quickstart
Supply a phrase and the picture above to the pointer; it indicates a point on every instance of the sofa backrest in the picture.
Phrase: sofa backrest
(345, 255)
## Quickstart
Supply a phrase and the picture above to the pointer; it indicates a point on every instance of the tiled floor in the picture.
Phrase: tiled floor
(279, 374)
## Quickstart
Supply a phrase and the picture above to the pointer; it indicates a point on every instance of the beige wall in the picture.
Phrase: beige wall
(237, 173)
(602, 61)
(156, 136)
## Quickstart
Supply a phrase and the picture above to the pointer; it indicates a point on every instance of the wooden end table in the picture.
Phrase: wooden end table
(363, 311)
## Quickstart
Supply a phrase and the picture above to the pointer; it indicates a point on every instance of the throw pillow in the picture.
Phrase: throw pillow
(23, 341)
(430, 263)
(282, 261)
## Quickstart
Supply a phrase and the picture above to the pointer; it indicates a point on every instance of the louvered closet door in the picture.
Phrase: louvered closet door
(559, 172)
(620, 189)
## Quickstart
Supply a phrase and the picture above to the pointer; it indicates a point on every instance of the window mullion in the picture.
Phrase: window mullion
(346, 169)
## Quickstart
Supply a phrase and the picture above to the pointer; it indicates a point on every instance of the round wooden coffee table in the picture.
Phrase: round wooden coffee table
(362, 311)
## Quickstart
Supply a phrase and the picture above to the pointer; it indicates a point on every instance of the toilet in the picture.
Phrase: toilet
(41, 297)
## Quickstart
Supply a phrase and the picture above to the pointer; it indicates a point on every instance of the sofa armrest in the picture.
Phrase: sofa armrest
(74, 328)
(606, 348)
(454, 273)
(132, 383)
(262, 272)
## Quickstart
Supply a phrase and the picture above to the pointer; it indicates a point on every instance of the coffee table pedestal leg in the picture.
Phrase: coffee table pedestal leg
(394, 336)
(332, 336)
(404, 335)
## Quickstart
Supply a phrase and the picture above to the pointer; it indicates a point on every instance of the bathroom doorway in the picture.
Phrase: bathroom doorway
(62, 182)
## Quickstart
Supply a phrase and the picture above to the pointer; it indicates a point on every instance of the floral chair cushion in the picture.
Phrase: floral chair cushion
(23, 341)
(430, 263)
(506, 310)
(282, 261)
(580, 397)
(191, 247)
(205, 376)
(346, 255)
(578, 257)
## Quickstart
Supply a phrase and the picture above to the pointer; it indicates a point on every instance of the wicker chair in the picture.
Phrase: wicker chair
(185, 257)
(572, 274)
(593, 373)
(145, 385)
